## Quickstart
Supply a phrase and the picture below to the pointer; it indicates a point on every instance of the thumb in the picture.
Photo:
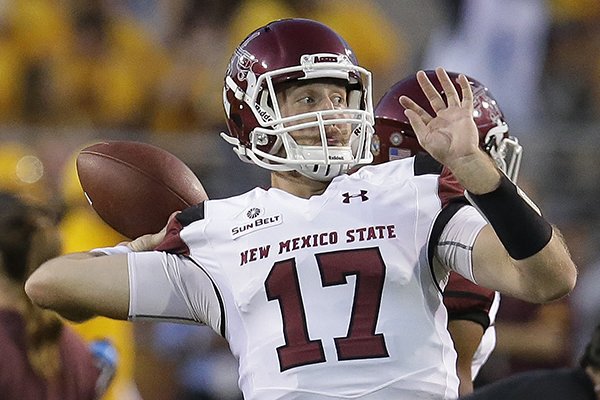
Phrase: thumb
(144, 242)
(150, 241)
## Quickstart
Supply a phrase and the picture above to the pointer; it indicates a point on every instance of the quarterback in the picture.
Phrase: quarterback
(336, 293)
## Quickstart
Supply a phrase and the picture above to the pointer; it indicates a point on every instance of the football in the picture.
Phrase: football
(134, 187)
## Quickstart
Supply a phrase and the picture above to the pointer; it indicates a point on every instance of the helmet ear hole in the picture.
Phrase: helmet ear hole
(355, 98)
(237, 120)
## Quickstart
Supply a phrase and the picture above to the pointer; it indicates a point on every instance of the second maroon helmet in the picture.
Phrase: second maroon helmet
(394, 137)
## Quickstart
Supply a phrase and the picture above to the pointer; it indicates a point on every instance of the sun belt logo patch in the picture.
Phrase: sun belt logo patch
(257, 222)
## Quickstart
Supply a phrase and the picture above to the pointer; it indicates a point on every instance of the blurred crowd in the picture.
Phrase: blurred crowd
(73, 72)
(148, 64)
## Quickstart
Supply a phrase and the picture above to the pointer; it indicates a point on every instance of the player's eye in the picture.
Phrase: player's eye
(339, 100)
(306, 100)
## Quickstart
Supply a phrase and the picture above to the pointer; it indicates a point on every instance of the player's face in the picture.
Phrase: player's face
(312, 97)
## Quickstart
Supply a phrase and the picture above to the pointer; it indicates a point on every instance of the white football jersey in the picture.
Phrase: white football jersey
(488, 340)
(320, 298)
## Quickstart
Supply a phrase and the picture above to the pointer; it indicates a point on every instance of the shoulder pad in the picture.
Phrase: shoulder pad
(191, 214)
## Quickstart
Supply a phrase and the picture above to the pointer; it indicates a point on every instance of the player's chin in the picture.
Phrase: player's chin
(306, 137)
(338, 142)
(289, 175)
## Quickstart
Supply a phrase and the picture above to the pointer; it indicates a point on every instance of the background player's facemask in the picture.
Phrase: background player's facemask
(505, 150)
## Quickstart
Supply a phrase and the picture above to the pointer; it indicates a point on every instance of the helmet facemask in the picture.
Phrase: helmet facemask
(322, 160)
(505, 150)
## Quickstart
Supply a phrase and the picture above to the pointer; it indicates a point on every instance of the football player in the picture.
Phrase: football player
(326, 285)
(471, 308)
(576, 382)
(42, 358)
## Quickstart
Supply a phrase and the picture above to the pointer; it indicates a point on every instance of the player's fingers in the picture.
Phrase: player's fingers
(434, 97)
(173, 215)
(409, 104)
(448, 86)
(142, 243)
(163, 231)
(417, 123)
(151, 240)
(467, 92)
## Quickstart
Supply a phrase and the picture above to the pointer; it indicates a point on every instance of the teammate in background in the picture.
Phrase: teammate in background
(327, 284)
(41, 357)
(581, 382)
(471, 308)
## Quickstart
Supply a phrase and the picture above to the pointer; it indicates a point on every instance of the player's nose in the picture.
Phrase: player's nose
(333, 111)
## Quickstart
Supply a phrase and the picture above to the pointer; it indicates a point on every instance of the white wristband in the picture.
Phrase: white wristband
(111, 251)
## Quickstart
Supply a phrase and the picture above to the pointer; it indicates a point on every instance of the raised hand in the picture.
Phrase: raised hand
(450, 135)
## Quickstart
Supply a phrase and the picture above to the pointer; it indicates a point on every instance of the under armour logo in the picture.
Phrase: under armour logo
(348, 196)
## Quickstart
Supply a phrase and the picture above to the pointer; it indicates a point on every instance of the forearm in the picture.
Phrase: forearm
(466, 336)
(550, 272)
(80, 286)
(538, 266)
(547, 275)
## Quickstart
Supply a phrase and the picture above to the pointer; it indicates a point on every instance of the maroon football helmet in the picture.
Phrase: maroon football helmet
(295, 50)
(394, 137)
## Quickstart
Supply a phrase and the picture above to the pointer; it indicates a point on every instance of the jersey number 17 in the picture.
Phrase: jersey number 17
(361, 341)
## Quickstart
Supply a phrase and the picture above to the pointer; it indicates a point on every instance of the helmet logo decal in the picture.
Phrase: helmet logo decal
(482, 104)
(245, 62)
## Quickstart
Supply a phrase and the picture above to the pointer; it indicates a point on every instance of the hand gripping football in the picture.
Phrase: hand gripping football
(134, 187)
